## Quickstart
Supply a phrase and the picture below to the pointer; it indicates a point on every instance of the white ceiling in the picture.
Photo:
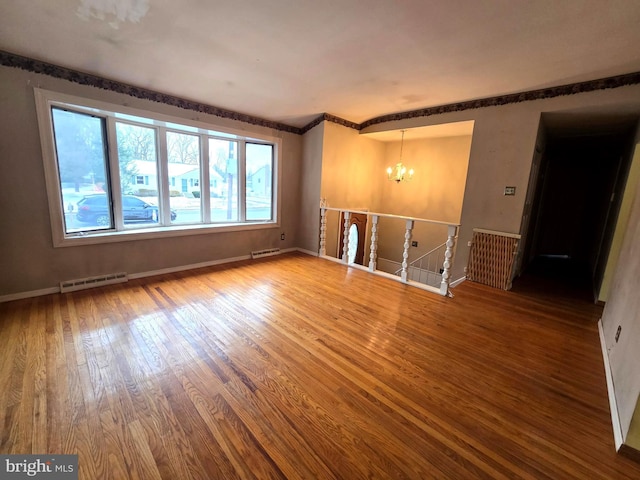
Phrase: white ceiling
(291, 60)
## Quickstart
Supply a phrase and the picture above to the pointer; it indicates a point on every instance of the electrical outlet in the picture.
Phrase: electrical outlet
(469, 243)
(509, 190)
(618, 333)
(282, 236)
(414, 244)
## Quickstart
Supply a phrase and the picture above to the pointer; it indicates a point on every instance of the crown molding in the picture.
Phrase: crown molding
(329, 118)
(36, 66)
(528, 96)
(341, 121)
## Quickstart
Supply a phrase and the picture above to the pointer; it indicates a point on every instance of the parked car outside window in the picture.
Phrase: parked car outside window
(94, 209)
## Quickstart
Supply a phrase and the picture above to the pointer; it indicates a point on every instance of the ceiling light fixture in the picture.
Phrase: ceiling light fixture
(399, 172)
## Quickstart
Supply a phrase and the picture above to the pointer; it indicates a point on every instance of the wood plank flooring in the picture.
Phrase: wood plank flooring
(296, 367)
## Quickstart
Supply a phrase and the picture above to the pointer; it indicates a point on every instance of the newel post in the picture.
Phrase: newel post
(373, 255)
(448, 259)
(405, 253)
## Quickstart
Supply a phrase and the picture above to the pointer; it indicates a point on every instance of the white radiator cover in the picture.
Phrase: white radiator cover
(492, 257)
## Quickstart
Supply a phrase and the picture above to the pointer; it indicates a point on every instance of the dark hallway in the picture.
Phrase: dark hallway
(579, 190)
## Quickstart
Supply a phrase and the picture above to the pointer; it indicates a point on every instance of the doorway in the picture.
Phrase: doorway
(582, 173)
(357, 232)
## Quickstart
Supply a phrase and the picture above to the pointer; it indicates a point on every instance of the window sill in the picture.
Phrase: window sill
(74, 240)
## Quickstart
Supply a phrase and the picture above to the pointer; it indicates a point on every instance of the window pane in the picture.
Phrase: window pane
(223, 180)
(183, 153)
(82, 169)
(259, 181)
(138, 174)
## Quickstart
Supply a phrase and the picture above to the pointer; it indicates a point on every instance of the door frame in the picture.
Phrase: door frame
(360, 220)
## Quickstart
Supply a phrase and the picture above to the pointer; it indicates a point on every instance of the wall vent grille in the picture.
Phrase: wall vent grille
(91, 282)
(268, 252)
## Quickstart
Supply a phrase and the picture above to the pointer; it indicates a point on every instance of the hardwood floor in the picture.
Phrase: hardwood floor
(296, 367)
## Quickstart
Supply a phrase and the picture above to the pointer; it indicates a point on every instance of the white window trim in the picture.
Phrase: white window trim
(45, 99)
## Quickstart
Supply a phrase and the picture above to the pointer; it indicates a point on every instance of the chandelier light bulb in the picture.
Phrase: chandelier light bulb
(399, 172)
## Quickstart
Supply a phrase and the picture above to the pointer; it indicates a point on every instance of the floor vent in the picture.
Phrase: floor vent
(90, 282)
(265, 253)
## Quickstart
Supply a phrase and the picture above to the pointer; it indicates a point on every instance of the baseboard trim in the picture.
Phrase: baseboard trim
(48, 291)
(457, 282)
(613, 406)
(192, 266)
(308, 252)
(33, 293)
(132, 276)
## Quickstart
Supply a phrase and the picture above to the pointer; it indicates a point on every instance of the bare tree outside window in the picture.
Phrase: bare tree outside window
(183, 148)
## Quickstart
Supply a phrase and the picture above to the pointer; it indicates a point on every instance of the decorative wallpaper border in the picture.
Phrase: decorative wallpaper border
(37, 66)
(543, 93)
(329, 118)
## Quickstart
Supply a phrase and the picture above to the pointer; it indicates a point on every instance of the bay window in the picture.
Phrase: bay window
(115, 173)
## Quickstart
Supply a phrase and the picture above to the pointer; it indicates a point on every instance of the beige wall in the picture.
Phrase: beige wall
(349, 167)
(501, 155)
(28, 260)
(438, 185)
(350, 176)
(633, 180)
(309, 189)
(623, 309)
(633, 437)
(435, 192)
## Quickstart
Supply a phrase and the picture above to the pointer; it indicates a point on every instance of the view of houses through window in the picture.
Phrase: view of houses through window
(259, 177)
(183, 167)
(164, 175)
(223, 179)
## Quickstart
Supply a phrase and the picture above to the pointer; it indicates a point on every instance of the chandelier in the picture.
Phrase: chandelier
(400, 171)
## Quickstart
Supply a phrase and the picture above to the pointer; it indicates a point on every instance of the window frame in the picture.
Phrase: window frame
(46, 99)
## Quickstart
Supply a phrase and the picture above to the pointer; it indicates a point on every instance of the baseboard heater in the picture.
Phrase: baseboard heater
(268, 252)
(91, 282)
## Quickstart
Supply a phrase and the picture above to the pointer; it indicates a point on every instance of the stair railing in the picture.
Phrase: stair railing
(427, 268)
(440, 258)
